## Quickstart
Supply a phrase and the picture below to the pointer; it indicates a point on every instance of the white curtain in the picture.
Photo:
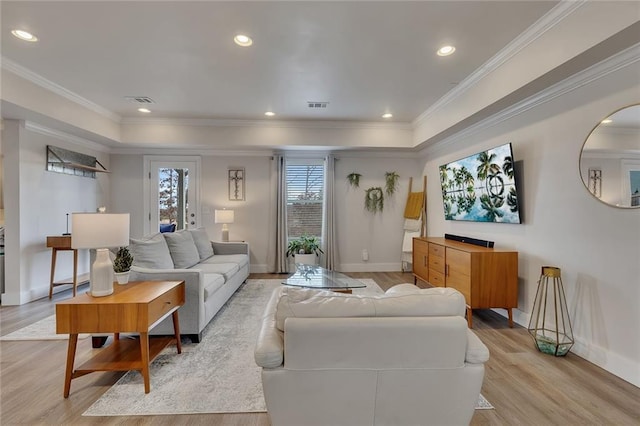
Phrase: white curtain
(330, 259)
(276, 257)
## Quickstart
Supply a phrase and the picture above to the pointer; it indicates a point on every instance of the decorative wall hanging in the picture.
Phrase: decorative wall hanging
(595, 182)
(391, 182)
(374, 199)
(354, 179)
(236, 184)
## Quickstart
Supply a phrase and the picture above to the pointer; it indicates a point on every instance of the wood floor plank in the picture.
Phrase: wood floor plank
(525, 386)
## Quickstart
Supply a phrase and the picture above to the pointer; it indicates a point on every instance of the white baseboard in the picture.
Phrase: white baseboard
(371, 267)
(258, 269)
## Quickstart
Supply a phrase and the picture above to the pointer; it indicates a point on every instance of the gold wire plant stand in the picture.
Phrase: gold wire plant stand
(550, 325)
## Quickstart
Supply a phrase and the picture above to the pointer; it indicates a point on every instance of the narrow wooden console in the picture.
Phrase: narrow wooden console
(487, 277)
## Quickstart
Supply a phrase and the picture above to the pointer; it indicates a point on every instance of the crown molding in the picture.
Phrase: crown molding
(541, 26)
(612, 130)
(304, 124)
(615, 154)
(66, 137)
(191, 151)
(39, 80)
(612, 64)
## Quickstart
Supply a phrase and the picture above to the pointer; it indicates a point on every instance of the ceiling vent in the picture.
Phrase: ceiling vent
(317, 104)
(140, 100)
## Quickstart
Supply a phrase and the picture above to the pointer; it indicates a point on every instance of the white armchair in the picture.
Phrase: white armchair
(403, 358)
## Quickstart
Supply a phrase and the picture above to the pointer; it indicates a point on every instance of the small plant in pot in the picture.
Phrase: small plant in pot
(305, 249)
(122, 265)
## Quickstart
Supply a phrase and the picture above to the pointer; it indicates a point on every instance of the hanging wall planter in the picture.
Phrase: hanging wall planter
(374, 199)
(354, 179)
(391, 182)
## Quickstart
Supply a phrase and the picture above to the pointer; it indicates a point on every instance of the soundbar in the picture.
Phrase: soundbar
(469, 240)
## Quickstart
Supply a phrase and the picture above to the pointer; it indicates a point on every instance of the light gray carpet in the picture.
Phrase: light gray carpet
(218, 375)
(45, 329)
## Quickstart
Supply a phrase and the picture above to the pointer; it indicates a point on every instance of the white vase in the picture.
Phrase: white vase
(122, 277)
(101, 274)
(306, 259)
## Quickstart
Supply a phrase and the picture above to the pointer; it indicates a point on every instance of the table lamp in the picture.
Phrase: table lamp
(100, 231)
(224, 217)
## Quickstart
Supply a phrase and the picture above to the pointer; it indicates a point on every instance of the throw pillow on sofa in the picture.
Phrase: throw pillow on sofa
(203, 242)
(182, 248)
(151, 252)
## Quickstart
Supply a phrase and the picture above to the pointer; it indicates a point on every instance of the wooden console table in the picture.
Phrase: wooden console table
(487, 277)
(63, 243)
(136, 307)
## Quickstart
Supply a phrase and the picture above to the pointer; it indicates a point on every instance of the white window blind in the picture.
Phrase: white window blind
(305, 197)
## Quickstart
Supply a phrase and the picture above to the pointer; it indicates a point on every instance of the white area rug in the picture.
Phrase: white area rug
(217, 375)
(45, 329)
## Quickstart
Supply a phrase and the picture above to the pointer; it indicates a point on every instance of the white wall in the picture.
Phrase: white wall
(596, 246)
(380, 233)
(251, 218)
(37, 202)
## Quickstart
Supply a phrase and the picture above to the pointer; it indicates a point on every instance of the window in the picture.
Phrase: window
(305, 197)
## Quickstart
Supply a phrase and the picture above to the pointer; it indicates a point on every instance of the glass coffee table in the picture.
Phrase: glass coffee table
(311, 276)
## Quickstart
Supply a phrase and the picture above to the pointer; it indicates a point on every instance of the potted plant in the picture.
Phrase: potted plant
(122, 265)
(305, 249)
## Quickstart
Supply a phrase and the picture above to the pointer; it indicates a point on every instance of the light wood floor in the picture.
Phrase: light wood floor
(525, 386)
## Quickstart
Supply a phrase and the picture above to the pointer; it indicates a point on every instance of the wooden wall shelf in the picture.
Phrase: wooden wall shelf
(61, 160)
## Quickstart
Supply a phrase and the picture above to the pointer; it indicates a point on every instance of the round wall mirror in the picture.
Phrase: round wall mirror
(610, 159)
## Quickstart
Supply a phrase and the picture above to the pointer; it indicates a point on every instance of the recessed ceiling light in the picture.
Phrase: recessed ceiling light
(446, 50)
(606, 121)
(145, 110)
(24, 35)
(387, 115)
(243, 40)
(269, 113)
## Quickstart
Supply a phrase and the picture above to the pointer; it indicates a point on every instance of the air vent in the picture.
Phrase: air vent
(317, 104)
(140, 99)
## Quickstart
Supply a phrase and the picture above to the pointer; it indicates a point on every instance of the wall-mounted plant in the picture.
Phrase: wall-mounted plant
(391, 182)
(374, 199)
(354, 179)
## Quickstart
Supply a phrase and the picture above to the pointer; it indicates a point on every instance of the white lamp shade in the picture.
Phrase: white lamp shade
(224, 216)
(99, 230)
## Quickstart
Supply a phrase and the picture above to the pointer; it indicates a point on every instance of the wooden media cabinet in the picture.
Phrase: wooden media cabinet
(487, 277)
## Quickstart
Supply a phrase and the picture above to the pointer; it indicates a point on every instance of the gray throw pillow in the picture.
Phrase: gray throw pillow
(182, 248)
(151, 252)
(203, 243)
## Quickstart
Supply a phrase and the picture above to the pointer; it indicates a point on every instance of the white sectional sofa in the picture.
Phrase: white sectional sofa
(212, 272)
(402, 358)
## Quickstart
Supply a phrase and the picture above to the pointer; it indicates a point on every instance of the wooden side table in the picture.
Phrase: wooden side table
(136, 307)
(62, 243)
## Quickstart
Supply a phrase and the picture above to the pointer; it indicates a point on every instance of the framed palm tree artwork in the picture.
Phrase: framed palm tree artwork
(481, 187)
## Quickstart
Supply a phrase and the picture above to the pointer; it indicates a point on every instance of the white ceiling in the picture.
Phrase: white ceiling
(364, 58)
